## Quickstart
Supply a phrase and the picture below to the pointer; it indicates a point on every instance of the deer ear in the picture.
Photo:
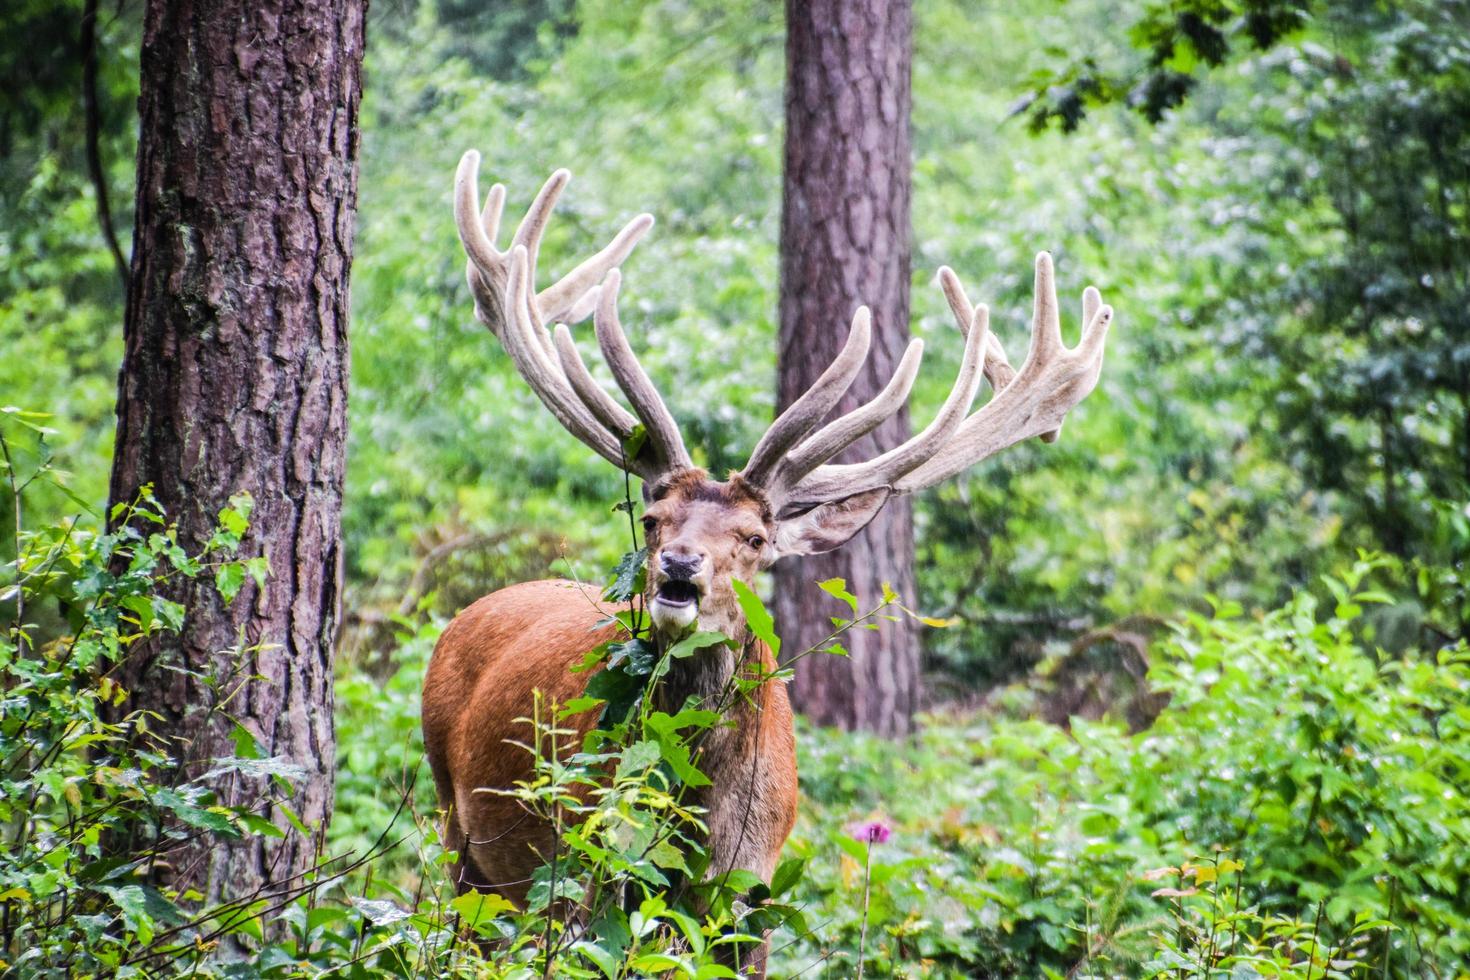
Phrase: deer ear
(827, 526)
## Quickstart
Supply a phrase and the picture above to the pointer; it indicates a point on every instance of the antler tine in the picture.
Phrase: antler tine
(845, 430)
(1051, 381)
(828, 482)
(998, 370)
(663, 433)
(807, 412)
(564, 299)
(560, 301)
(533, 225)
(543, 376)
(1029, 402)
(608, 412)
(486, 268)
(503, 284)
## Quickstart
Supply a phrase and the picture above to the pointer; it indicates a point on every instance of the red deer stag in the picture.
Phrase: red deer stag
(701, 533)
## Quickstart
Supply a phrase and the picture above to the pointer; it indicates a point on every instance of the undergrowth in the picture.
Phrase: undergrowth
(1297, 810)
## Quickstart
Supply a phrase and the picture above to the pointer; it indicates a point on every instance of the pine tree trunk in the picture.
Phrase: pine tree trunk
(845, 242)
(234, 378)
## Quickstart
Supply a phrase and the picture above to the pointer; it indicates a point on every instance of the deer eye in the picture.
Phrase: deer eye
(650, 524)
(756, 541)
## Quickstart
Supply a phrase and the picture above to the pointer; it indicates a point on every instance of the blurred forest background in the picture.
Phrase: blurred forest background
(1288, 255)
(1287, 386)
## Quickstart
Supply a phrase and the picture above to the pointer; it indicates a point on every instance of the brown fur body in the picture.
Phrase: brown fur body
(526, 638)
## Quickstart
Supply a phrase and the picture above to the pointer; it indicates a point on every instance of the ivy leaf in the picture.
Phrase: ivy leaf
(228, 579)
(628, 576)
(620, 692)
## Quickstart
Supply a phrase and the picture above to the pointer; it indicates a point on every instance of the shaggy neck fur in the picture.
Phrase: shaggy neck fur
(705, 676)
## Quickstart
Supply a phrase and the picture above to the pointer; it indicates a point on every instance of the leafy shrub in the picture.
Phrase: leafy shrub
(1302, 794)
(92, 803)
(1333, 772)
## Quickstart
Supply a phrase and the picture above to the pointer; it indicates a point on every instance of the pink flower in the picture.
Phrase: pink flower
(875, 831)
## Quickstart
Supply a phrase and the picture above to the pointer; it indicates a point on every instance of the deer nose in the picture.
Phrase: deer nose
(680, 564)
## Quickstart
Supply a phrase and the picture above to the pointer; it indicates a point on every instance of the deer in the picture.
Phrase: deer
(702, 534)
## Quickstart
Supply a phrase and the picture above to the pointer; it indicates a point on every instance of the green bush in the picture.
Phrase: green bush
(1333, 772)
(1298, 809)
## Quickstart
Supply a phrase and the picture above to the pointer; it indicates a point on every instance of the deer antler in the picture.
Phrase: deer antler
(506, 301)
(791, 461)
(1029, 402)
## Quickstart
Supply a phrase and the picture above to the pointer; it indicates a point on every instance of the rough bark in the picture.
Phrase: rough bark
(235, 379)
(845, 242)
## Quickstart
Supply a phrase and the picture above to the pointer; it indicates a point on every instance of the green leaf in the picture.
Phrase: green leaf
(628, 576)
(619, 690)
(695, 642)
(228, 578)
(255, 824)
(142, 606)
(788, 873)
(757, 617)
(246, 745)
(604, 960)
(381, 912)
(479, 908)
(576, 706)
(634, 443)
(170, 613)
(738, 881)
(258, 568)
(837, 587)
(235, 518)
(676, 754)
(635, 657)
(667, 856)
(638, 757)
(666, 724)
(143, 907)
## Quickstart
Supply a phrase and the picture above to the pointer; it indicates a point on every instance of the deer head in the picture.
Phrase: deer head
(788, 499)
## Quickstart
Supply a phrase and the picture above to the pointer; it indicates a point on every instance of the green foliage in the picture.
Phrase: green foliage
(60, 294)
(1177, 40)
(1212, 934)
(1334, 773)
(1252, 426)
(84, 785)
(1297, 810)
(1359, 326)
(1286, 251)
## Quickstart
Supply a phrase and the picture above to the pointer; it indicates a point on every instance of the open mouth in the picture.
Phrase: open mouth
(677, 592)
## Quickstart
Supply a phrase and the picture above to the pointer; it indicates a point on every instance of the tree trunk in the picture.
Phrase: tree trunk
(845, 242)
(234, 378)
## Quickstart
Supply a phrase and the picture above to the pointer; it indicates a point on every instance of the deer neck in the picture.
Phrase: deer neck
(709, 677)
(705, 676)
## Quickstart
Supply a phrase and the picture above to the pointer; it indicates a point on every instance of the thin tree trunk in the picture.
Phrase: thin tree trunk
(235, 379)
(93, 113)
(845, 242)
